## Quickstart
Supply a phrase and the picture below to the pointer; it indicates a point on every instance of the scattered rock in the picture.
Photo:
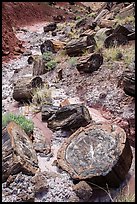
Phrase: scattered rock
(50, 27)
(40, 182)
(83, 191)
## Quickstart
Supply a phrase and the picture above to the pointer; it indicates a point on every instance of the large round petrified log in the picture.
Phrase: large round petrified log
(17, 152)
(99, 153)
(115, 39)
(24, 87)
(90, 63)
(70, 116)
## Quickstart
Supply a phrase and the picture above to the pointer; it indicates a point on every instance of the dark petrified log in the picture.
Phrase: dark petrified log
(77, 47)
(24, 87)
(69, 117)
(17, 152)
(129, 82)
(47, 46)
(30, 60)
(99, 153)
(50, 27)
(39, 66)
(90, 63)
(47, 111)
(115, 39)
(124, 30)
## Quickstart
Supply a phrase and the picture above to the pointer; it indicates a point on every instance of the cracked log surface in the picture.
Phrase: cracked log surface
(76, 47)
(90, 63)
(98, 153)
(69, 117)
(17, 152)
(24, 87)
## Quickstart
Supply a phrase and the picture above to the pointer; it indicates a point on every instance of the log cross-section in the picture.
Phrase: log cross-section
(99, 153)
(17, 152)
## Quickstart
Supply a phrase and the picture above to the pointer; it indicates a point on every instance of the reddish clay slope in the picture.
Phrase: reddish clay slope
(15, 14)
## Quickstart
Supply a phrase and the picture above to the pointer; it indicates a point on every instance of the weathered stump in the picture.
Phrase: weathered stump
(24, 87)
(115, 39)
(39, 67)
(99, 153)
(69, 117)
(50, 27)
(89, 63)
(17, 152)
(77, 47)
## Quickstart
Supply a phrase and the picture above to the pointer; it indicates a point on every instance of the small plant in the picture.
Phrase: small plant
(51, 65)
(47, 56)
(26, 124)
(49, 62)
(41, 97)
(78, 17)
(114, 53)
(72, 61)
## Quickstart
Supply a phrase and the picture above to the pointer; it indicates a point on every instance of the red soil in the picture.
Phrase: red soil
(16, 14)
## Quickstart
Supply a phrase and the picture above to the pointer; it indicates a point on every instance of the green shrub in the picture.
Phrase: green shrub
(51, 65)
(26, 124)
(72, 61)
(47, 56)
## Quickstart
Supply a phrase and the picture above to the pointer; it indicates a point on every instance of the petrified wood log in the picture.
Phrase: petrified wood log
(50, 27)
(90, 63)
(115, 39)
(69, 117)
(47, 46)
(129, 82)
(17, 152)
(47, 111)
(99, 153)
(24, 87)
(77, 47)
(124, 30)
(39, 66)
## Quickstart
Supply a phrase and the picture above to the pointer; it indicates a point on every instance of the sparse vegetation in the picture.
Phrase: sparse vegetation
(72, 61)
(26, 124)
(113, 54)
(126, 20)
(41, 96)
(50, 62)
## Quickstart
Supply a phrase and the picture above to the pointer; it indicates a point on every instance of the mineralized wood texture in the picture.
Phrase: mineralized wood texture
(23, 89)
(69, 117)
(38, 67)
(99, 153)
(47, 111)
(77, 47)
(89, 63)
(17, 152)
(115, 39)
